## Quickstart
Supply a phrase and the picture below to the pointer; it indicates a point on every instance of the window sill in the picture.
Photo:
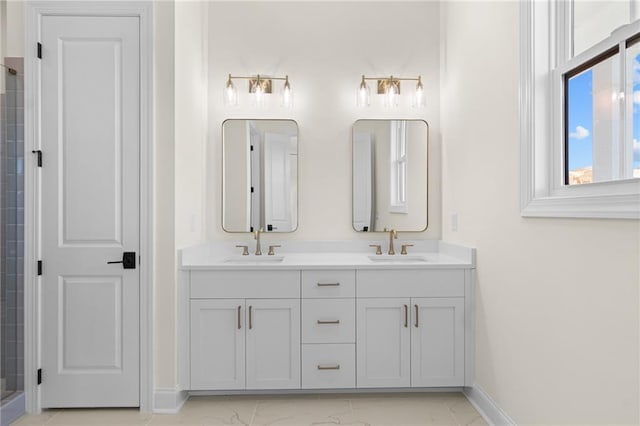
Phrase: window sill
(626, 206)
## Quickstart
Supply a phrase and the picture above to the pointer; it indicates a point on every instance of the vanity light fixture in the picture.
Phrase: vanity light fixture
(389, 87)
(259, 87)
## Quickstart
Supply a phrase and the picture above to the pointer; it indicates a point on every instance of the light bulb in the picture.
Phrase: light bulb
(363, 94)
(418, 98)
(230, 93)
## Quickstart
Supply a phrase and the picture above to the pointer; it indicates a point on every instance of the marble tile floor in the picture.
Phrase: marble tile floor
(334, 409)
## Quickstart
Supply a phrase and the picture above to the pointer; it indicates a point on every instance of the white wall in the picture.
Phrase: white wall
(15, 29)
(11, 32)
(3, 38)
(164, 290)
(324, 47)
(191, 85)
(557, 299)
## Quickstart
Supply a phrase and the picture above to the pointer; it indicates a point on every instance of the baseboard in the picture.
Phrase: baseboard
(487, 407)
(171, 400)
(168, 400)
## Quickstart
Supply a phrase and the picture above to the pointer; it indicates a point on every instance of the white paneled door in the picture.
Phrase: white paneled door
(90, 141)
(277, 182)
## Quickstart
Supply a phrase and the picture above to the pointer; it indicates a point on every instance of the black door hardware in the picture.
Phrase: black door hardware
(128, 260)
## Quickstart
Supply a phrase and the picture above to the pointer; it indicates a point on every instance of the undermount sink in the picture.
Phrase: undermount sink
(253, 259)
(398, 258)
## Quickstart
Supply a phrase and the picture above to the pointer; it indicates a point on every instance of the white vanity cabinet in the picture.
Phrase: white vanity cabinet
(322, 324)
(245, 330)
(328, 329)
(417, 339)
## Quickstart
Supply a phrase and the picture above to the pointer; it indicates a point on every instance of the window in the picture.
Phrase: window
(580, 109)
(398, 167)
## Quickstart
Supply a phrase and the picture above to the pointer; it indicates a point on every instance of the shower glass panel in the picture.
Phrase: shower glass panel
(11, 240)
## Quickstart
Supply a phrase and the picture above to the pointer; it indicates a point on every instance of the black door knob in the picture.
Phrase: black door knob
(128, 260)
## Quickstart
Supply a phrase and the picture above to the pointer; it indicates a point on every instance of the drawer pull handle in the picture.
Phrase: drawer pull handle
(417, 310)
(328, 284)
(406, 316)
(328, 321)
(239, 316)
(250, 319)
(329, 367)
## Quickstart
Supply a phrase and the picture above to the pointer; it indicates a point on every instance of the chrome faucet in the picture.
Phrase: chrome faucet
(393, 234)
(256, 236)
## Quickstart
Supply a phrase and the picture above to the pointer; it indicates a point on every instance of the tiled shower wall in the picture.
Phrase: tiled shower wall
(12, 227)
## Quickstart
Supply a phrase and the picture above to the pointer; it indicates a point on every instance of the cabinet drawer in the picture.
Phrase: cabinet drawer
(328, 366)
(245, 284)
(411, 283)
(328, 321)
(328, 284)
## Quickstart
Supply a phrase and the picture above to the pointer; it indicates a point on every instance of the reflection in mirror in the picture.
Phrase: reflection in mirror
(260, 175)
(390, 168)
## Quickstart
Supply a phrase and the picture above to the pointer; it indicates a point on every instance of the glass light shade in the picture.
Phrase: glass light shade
(418, 96)
(286, 97)
(362, 99)
(390, 96)
(230, 93)
(259, 96)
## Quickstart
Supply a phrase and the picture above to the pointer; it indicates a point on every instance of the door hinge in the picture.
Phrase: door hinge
(39, 154)
(39, 376)
(39, 267)
(39, 50)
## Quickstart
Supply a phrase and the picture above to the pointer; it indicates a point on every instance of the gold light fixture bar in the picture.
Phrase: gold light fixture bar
(389, 87)
(258, 87)
(265, 83)
(383, 83)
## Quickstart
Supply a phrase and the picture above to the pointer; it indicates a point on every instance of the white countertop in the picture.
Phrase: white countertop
(426, 254)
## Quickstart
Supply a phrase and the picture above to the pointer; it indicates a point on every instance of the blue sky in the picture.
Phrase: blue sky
(580, 118)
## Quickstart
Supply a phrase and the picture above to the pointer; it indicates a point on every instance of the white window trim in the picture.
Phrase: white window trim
(541, 191)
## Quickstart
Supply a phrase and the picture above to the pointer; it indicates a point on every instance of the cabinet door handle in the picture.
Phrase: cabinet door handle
(406, 316)
(329, 367)
(250, 322)
(328, 321)
(239, 319)
(416, 315)
(328, 284)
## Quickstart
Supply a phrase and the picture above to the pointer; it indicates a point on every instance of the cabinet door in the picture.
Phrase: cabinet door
(217, 344)
(437, 342)
(273, 343)
(383, 343)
